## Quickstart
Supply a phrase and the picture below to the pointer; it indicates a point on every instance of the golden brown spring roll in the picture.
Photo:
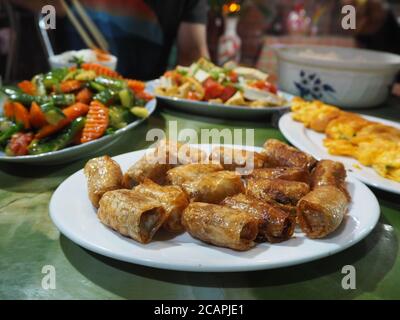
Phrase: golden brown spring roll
(282, 191)
(284, 173)
(148, 167)
(155, 164)
(179, 175)
(321, 211)
(275, 225)
(279, 154)
(179, 153)
(330, 173)
(131, 214)
(102, 174)
(232, 159)
(220, 226)
(214, 187)
(173, 199)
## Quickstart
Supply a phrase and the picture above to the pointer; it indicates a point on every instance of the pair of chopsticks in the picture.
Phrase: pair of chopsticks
(101, 42)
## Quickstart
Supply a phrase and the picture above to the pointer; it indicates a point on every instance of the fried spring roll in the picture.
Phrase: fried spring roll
(102, 174)
(330, 173)
(321, 211)
(232, 159)
(214, 187)
(220, 226)
(179, 153)
(279, 154)
(275, 225)
(190, 172)
(284, 173)
(155, 164)
(282, 191)
(172, 198)
(148, 167)
(131, 214)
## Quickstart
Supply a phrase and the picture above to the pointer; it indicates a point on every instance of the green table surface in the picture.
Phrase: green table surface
(29, 241)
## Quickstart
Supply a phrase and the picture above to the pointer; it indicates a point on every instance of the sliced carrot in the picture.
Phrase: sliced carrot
(27, 87)
(84, 96)
(101, 70)
(36, 116)
(9, 110)
(22, 114)
(70, 85)
(144, 95)
(136, 85)
(71, 113)
(96, 122)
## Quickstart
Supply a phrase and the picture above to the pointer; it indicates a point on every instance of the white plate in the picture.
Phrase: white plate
(218, 109)
(75, 217)
(79, 151)
(312, 142)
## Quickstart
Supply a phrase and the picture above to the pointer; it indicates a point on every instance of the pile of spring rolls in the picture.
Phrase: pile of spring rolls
(180, 188)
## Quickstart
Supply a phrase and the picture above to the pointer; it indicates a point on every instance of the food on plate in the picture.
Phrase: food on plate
(279, 190)
(68, 106)
(322, 211)
(221, 226)
(232, 159)
(131, 214)
(213, 187)
(84, 55)
(103, 174)
(283, 173)
(349, 134)
(275, 225)
(330, 173)
(279, 154)
(172, 199)
(190, 172)
(214, 203)
(315, 116)
(155, 164)
(230, 85)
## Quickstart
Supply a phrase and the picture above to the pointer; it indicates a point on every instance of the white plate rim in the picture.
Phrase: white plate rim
(71, 234)
(294, 132)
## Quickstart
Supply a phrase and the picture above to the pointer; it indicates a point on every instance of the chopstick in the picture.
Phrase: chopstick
(102, 43)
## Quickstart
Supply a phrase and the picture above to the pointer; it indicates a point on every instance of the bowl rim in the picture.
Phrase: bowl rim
(285, 52)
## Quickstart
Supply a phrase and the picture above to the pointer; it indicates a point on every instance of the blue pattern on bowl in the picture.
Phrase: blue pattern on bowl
(311, 86)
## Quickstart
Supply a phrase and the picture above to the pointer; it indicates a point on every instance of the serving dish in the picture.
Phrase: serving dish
(346, 77)
(312, 142)
(218, 110)
(78, 221)
(81, 150)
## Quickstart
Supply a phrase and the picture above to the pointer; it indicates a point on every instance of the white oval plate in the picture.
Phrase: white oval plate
(73, 214)
(312, 142)
(218, 109)
(79, 151)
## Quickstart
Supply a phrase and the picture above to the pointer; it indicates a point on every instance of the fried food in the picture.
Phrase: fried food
(282, 191)
(275, 225)
(322, 211)
(232, 159)
(131, 214)
(330, 173)
(213, 187)
(172, 198)
(221, 226)
(279, 154)
(102, 174)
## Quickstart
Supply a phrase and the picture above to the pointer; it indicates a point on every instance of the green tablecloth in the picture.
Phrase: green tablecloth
(29, 241)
